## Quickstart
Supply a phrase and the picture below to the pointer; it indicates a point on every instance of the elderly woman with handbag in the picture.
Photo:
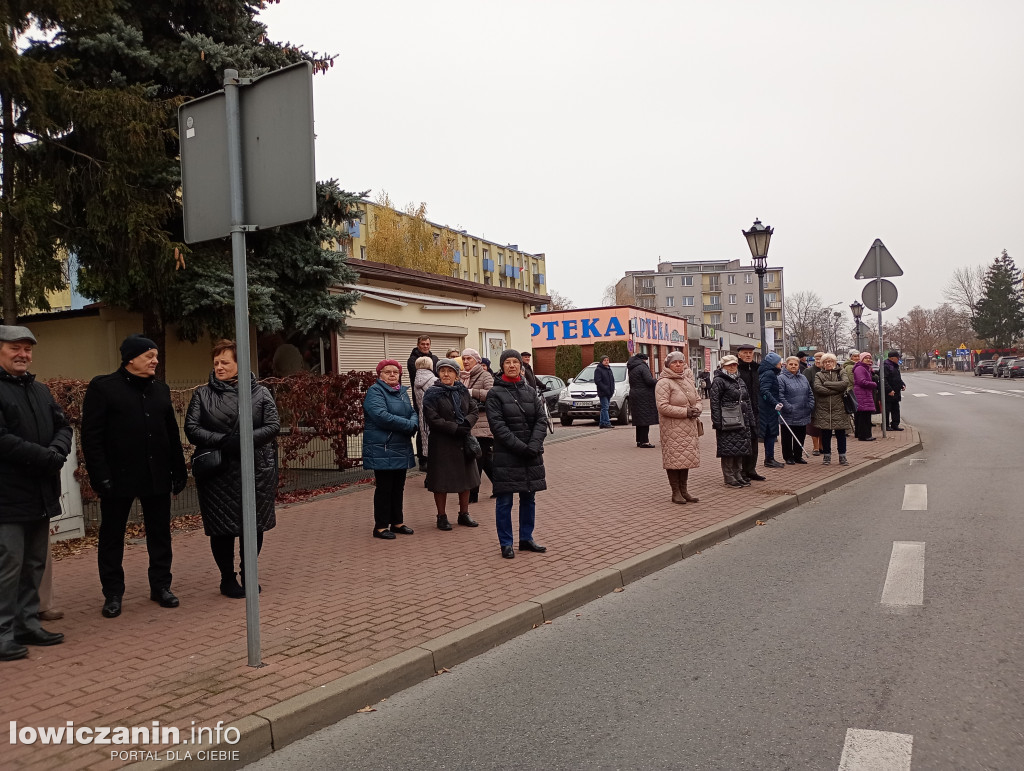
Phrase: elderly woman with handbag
(679, 408)
(831, 411)
(451, 413)
(731, 418)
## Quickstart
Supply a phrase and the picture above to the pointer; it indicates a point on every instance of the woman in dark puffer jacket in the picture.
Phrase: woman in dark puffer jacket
(212, 424)
(519, 426)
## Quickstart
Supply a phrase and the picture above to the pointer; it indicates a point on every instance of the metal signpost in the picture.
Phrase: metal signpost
(879, 264)
(247, 163)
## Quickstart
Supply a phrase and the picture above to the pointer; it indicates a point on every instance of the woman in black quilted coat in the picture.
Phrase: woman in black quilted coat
(733, 444)
(212, 424)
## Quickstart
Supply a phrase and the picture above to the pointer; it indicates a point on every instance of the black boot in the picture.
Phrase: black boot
(230, 587)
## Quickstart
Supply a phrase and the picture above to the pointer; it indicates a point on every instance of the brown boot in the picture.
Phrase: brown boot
(673, 480)
(684, 475)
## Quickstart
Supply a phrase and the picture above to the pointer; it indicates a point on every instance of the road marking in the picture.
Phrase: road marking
(915, 497)
(872, 750)
(920, 394)
(969, 393)
(1016, 391)
(945, 393)
(904, 582)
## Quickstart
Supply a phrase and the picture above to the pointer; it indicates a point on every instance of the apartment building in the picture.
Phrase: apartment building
(717, 293)
(475, 258)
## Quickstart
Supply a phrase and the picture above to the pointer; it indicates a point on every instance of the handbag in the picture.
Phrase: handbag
(732, 417)
(471, 447)
(700, 427)
(849, 402)
(205, 464)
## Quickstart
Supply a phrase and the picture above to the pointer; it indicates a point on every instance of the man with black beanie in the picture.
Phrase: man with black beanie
(133, 450)
(748, 374)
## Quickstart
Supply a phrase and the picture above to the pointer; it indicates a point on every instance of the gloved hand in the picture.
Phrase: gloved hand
(56, 460)
(462, 429)
(103, 487)
(536, 448)
(693, 412)
(178, 484)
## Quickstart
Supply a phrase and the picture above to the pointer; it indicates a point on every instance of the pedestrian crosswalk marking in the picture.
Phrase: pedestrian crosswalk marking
(871, 750)
(968, 393)
(945, 393)
(920, 394)
(915, 498)
(904, 581)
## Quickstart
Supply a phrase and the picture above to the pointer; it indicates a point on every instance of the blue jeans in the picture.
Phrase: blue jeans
(503, 516)
(605, 401)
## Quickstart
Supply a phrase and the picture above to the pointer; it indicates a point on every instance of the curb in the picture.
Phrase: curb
(276, 726)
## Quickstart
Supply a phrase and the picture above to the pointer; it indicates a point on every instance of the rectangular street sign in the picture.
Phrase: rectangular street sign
(278, 175)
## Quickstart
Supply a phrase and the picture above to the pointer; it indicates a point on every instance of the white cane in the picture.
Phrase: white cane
(800, 444)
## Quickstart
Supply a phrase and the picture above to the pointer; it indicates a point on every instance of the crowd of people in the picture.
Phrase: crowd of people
(461, 422)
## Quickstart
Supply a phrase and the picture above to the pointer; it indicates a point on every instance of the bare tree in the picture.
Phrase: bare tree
(803, 317)
(965, 288)
(559, 302)
(608, 296)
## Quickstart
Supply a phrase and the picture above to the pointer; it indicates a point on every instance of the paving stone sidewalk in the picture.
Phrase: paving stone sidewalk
(336, 601)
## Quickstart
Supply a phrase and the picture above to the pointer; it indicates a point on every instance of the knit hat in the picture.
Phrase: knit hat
(729, 359)
(772, 358)
(642, 356)
(471, 352)
(509, 353)
(135, 345)
(389, 362)
(450, 363)
(865, 355)
(12, 334)
(675, 356)
(892, 353)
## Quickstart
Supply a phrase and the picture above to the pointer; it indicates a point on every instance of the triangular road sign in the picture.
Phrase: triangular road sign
(885, 268)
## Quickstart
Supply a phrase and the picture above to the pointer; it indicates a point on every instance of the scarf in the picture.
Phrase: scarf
(508, 379)
(393, 389)
(455, 392)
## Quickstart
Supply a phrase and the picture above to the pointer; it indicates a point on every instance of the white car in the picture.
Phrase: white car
(579, 397)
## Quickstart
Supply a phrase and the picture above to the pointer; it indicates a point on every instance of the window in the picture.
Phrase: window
(476, 277)
(732, 318)
(670, 302)
(362, 252)
(771, 316)
(501, 282)
(487, 280)
(716, 319)
(771, 297)
(732, 299)
(750, 298)
(687, 301)
(770, 278)
(474, 250)
(465, 275)
(731, 279)
(750, 318)
(486, 252)
(647, 283)
(748, 279)
(686, 281)
(668, 280)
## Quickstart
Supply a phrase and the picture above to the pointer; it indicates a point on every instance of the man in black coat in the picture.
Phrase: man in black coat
(604, 379)
(894, 388)
(35, 440)
(422, 349)
(748, 374)
(133, 450)
(519, 425)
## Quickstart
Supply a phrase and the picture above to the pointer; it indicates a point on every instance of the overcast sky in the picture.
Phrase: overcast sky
(610, 135)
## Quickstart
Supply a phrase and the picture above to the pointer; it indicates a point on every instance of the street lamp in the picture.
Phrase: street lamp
(857, 308)
(758, 238)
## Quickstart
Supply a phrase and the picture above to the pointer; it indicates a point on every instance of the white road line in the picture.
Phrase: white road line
(969, 393)
(945, 393)
(874, 750)
(904, 583)
(920, 394)
(915, 497)
(1015, 391)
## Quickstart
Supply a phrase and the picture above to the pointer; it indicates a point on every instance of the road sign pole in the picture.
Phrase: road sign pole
(238, 228)
(881, 363)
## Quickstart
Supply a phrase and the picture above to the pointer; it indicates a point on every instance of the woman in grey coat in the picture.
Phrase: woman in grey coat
(642, 405)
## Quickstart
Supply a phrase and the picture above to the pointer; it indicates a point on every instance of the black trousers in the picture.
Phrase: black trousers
(793, 448)
(643, 434)
(156, 513)
(223, 548)
(388, 498)
(486, 459)
(862, 424)
(749, 462)
(892, 409)
(23, 548)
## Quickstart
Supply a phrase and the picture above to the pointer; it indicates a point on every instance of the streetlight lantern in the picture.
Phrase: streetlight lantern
(857, 308)
(758, 238)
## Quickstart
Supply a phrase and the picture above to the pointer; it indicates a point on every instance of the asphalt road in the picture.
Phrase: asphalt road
(773, 650)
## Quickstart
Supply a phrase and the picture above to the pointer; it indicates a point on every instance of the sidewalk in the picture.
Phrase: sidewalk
(347, 619)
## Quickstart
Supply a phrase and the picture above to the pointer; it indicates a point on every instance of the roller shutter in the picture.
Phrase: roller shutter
(361, 351)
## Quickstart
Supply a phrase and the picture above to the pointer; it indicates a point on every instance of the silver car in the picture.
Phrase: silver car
(579, 397)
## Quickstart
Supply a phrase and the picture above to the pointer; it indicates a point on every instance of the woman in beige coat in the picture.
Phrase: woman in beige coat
(679, 409)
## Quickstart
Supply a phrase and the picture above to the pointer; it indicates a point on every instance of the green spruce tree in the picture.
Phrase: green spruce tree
(999, 317)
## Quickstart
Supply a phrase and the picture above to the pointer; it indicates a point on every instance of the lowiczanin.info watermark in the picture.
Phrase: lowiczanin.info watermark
(154, 738)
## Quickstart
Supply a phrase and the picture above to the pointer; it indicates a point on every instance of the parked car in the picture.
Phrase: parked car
(579, 397)
(1016, 368)
(553, 386)
(1001, 364)
(985, 367)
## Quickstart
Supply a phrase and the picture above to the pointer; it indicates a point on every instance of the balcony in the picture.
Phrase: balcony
(773, 306)
(645, 290)
(538, 278)
(773, 324)
(713, 308)
(488, 265)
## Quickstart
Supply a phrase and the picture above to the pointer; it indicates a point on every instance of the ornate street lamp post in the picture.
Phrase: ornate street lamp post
(857, 308)
(758, 238)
